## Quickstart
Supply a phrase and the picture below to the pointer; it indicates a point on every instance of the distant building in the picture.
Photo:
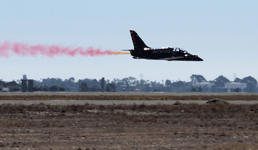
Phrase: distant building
(200, 81)
(30, 85)
(235, 85)
(203, 84)
(5, 89)
(24, 77)
(24, 85)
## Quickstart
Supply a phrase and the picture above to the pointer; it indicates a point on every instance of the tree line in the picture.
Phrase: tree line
(131, 84)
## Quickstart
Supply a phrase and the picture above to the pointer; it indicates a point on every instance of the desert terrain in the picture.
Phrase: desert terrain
(177, 126)
(135, 126)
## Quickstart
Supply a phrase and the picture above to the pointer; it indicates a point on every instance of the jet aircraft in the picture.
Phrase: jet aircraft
(142, 51)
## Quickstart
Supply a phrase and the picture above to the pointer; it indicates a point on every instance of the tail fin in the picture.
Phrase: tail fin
(137, 41)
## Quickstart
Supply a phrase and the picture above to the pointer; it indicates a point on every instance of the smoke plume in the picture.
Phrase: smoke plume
(21, 49)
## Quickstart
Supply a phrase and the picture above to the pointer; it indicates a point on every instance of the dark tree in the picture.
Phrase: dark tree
(197, 78)
(53, 88)
(45, 88)
(14, 89)
(200, 89)
(36, 88)
(220, 81)
(42, 88)
(167, 83)
(83, 87)
(102, 84)
(193, 89)
(111, 87)
(61, 89)
(95, 89)
(237, 90)
(250, 83)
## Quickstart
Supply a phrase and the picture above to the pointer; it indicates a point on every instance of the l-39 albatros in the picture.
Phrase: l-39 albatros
(142, 51)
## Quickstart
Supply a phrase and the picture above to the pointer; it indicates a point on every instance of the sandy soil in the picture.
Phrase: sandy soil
(178, 126)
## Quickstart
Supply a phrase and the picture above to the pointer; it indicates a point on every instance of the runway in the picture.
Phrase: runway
(116, 102)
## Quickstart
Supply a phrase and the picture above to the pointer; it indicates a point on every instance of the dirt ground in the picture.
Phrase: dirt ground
(178, 126)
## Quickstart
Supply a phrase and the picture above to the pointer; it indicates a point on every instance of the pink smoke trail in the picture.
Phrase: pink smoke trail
(21, 49)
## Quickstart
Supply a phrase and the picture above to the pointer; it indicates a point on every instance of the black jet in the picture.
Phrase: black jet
(142, 51)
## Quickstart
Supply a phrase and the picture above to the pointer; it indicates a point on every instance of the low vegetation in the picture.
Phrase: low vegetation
(177, 126)
(217, 101)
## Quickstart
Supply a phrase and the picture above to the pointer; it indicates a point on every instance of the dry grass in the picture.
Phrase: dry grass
(194, 109)
(127, 97)
(181, 126)
(229, 146)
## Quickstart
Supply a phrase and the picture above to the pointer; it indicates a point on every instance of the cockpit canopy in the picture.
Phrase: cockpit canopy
(177, 49)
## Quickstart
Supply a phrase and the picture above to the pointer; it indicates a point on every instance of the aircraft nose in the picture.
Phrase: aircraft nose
(200, 59)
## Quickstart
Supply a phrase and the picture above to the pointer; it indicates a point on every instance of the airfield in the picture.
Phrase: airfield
(128, 121)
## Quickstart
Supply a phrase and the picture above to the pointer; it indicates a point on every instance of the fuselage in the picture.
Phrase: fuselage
(167, 53)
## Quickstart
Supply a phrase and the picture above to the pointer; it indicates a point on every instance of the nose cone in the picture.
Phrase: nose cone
(199, 59)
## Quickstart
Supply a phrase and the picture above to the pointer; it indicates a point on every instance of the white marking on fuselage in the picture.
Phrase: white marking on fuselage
(163, 51)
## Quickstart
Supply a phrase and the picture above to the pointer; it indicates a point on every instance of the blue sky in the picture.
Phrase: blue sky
(223, 33)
